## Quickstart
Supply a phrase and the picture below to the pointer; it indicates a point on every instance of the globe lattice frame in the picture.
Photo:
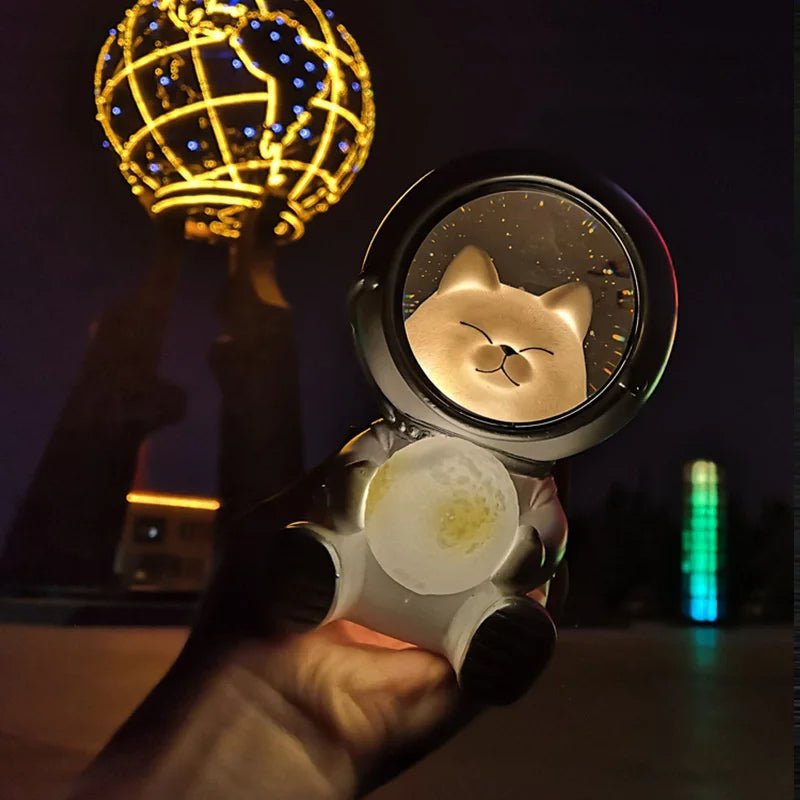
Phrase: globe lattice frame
(197, 99)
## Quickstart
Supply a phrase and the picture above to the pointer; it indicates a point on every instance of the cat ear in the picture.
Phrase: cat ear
(573, 303)
(470, 269)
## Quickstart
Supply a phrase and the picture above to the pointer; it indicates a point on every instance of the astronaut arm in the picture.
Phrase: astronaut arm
(347, 485)
(544, 514)
(541, 538)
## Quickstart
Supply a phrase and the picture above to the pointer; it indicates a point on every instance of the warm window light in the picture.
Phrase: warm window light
(701, 542)
(197, 93)
(172, 501)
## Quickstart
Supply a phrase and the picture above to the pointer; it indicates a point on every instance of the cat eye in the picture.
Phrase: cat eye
(480, 330)
(491, 341)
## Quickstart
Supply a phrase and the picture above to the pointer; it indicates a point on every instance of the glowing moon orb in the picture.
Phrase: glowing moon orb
(441, 515)
(210, 106)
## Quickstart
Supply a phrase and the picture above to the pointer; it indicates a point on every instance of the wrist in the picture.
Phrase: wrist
(241, 718)
(211, 741)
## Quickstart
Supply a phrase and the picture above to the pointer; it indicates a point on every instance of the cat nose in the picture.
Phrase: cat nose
(508, 350)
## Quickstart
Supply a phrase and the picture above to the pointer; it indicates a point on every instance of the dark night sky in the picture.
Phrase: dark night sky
(685, 105)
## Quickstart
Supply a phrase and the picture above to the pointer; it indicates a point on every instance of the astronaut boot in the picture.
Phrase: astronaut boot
(507, 652)
(305, 581)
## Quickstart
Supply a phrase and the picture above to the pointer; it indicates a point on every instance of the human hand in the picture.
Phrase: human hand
(250, 711)
(247, 712)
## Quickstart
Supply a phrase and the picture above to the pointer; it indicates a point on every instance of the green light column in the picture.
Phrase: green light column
(702, 559)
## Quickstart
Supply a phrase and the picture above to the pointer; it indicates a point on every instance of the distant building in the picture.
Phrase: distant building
(167, 543)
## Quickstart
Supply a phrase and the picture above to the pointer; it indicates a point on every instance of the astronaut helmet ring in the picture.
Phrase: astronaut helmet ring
(517, 301)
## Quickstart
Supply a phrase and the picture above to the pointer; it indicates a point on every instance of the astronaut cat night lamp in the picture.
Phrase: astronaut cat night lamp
(512, 310)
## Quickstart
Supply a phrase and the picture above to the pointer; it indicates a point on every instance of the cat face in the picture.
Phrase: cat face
(502, 352)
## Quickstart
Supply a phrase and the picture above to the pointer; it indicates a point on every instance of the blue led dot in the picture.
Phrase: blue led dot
(305, 133)
(320, 86)
(344, 146)
(310, 67)
(249, 132)
(356, 86)
(299, 83)
(279, 20)
(112, 31)
(274, 36)
(329, 13)
(106, 144)
(106, 57)
(239, 40)
(193, 145)
(153, 26)
(164, 80)
(298, 110)
(283, 58)
(277, 128)
(154, 168)
(255, 24)
(236, 64)
(298, 39)
(116, 110)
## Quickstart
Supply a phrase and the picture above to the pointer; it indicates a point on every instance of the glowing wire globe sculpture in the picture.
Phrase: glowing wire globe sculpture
(210, 106)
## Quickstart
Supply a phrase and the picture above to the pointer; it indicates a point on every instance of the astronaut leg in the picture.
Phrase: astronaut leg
(500, 649)
(319, 575)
